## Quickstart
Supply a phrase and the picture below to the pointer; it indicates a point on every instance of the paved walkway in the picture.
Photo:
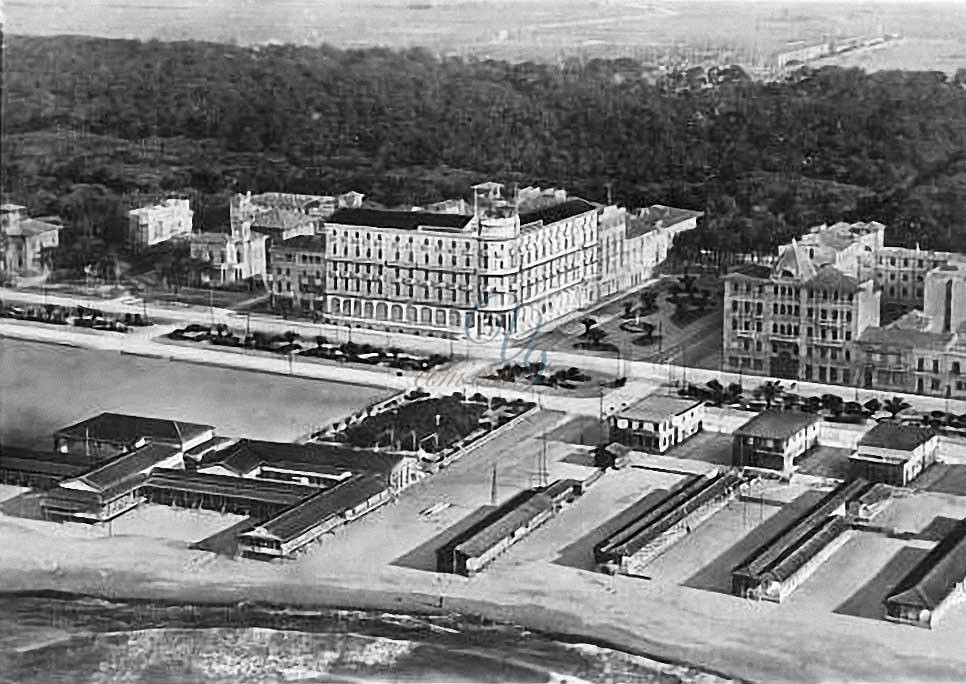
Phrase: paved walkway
(490, 354)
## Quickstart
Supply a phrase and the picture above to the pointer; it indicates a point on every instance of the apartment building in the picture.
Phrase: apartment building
(231, 257)
(157, 223)
(924, 351)
(802, 317)
(26, 243)
(298, 271)
(432, 273)
(611, 239)
(901, 273)
(657, 423)
(283, 210)
(648, 239)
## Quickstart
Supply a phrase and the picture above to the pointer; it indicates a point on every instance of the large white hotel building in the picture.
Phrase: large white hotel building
(437, 272)
(500, 262)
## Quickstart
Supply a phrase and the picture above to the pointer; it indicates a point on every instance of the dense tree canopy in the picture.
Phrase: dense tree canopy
(88, 121)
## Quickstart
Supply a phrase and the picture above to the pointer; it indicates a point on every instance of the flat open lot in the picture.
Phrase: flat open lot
(178, 524)
(569, 538)
(78, 383)
(704, 559)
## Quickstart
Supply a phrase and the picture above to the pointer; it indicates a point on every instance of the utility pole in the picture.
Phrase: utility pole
(211, 303)
(493, 490)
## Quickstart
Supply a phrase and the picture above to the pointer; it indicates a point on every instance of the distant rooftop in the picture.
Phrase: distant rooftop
(936, 576)
(905, 338)
(247, 454)
(31, 226)
(657, 216)
(318, 509)
(302, 243)
(126, 466)
(656, 408)
(754, 271)
(126, 429)
(402, 220)
(777, 424)
(888, 435)
(164, 204)
(557, 212)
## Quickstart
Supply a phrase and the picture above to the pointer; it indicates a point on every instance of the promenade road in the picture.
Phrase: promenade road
(491, 353)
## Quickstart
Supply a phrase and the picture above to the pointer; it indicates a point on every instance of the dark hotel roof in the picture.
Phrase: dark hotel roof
(776, 424)
(931, 581)
(125, 429)
(557, 212)
(301, 243)
(404, 220)
(888, 435)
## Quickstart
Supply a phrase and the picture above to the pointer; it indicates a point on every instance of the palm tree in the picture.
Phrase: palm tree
(895, 406)
(717, 391)
(769, 391)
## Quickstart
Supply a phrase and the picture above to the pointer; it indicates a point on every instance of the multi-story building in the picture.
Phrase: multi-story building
(231, 257)
(814, 313)
(802, 317)
(611, 239)
(775, 440)
(152, 225)
(512, 264)
(280, 216)
(656, 423)
(924, 351)
(280, 209)
(25, 242)
(649, 237)
(298, 271)
(901, 273)
(894, 454)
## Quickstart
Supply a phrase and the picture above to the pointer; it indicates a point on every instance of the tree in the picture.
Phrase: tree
(588, 323)
(717, 391)
(595, 335)
(872, 406)
(895, 406)
(769, 391)
(321, 340)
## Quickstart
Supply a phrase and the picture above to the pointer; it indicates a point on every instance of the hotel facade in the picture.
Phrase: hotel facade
(510, 265)
(498, 263)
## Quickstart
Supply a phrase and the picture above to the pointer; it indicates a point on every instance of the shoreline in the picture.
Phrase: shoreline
(375, 602)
